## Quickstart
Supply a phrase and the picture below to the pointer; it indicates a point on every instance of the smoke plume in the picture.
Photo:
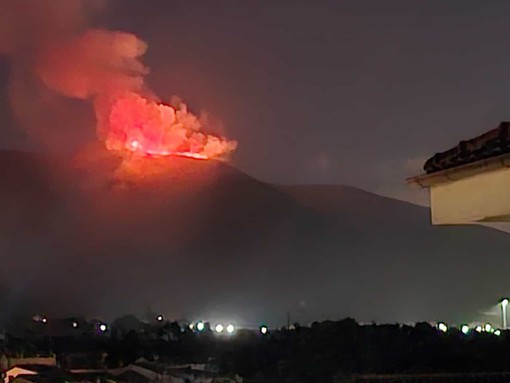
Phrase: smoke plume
(93, 63)
(56, 59)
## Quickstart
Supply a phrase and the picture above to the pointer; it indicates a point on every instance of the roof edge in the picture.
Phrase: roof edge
(460, 172)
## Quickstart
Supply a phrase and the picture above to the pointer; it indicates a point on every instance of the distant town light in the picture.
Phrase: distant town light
(442, 327)
(264, 330)
(478, 328)
(488, 328)
(75, 324)
(200, 326)
(219, 328)
(464, 329)
(160, 318)
(103, 327)
(497, 332)
(231, 328)
(44, 320)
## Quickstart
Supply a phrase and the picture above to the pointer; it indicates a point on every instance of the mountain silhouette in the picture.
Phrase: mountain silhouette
(202, 240)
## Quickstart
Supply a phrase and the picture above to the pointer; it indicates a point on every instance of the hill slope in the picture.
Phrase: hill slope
(204, 240)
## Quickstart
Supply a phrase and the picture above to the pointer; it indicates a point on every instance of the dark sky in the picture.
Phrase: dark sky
(354, 92)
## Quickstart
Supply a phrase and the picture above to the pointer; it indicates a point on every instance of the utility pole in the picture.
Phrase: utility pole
(50, 340)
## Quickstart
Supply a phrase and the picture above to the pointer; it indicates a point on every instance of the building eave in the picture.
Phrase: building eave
(463, 171)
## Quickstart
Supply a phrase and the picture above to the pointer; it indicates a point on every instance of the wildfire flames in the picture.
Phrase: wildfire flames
(49, 41)
(149, 128)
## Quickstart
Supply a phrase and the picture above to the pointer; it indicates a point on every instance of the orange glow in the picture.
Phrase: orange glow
(148, 128)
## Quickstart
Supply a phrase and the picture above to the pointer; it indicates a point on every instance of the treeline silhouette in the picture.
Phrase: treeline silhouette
(329, 351)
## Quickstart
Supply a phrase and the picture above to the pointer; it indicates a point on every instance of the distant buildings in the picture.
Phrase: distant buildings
(48, 361)
(142, 371)
(78, 361)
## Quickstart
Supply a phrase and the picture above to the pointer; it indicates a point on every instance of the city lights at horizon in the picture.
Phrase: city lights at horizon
(230, 328)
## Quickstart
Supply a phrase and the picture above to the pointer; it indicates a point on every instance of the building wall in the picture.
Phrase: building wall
(37, 361)
(484, 197)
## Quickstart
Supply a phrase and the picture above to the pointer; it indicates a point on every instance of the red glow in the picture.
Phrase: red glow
(149, 128)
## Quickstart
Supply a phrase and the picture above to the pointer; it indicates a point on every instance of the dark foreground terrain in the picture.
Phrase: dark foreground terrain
(325, 352)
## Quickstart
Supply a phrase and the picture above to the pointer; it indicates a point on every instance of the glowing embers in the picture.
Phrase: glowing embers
(136, 147)
(148, 128)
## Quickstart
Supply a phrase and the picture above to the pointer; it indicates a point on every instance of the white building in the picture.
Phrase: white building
(474, 189)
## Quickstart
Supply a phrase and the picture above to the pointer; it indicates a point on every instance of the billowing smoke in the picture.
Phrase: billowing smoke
(91, 64)
(56, 58)
(26, 25)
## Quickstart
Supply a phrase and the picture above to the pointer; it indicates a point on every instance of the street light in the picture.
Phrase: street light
(200, 326)
(442, 327)
(504, 304)
(464, 329)
(264, 330)
(160, 318)
(231, 328)
(219, 328)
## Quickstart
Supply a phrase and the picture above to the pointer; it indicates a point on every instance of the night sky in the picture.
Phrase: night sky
(351, 92)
